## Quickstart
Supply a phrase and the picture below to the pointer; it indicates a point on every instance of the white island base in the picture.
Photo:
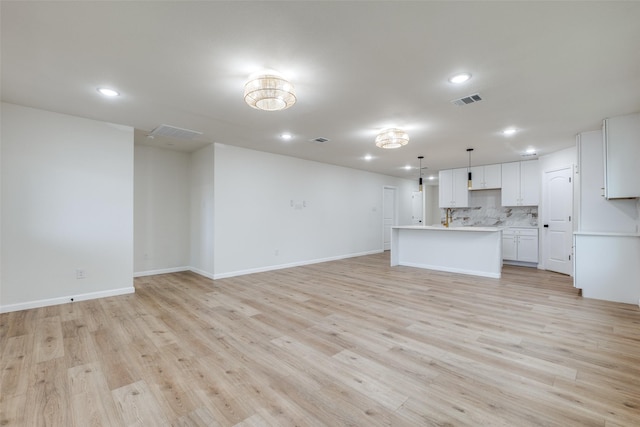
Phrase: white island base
(467, 250)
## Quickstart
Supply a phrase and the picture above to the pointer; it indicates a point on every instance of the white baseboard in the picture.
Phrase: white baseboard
(160, 271)
(63, 300)
(289, 265)
(489, 274)
(201, 272)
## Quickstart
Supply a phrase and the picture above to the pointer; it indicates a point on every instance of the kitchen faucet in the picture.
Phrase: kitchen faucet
(448, 217)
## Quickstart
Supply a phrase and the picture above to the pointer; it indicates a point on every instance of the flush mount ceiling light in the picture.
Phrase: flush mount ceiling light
(459, 78)
(269, 92)
(392, 138)
(108, 92)
(509, 131)
(286, 136)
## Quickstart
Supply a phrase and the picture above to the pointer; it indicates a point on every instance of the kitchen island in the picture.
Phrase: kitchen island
(467, 250)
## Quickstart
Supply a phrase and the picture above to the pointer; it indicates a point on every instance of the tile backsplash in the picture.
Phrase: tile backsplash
(485, 210)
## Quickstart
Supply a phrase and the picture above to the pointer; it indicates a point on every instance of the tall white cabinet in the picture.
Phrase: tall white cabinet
(521, 183)
(453, 189)
(621, 154)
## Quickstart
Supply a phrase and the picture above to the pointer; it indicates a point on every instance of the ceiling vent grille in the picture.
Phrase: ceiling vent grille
(528, 155)
(319, 140)
(467, 100)
(174, 132)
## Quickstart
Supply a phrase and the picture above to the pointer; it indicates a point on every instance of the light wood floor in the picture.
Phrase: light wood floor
(351, 342)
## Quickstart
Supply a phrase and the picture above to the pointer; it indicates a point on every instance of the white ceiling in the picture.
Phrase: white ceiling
(550, 69)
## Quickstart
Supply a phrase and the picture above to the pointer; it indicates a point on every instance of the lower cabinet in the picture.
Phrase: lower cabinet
(520, 244)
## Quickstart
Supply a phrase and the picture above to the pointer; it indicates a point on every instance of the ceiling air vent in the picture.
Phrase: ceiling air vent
(467, 100)
(174, 132)
(319, 140)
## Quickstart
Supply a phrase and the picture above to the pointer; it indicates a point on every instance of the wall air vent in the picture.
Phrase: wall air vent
(467, 100)
(174, 132)
(319, 140)
(528, 155)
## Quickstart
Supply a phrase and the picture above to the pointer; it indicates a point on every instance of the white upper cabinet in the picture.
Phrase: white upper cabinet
(453, 190)
(521, 183)
(486, 177)
(621, 155)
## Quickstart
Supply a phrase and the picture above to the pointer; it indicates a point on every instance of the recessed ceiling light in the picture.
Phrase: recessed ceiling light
(108, 92)
(368, 157)
(431, 178)
(530, 150)
(408, 167)
(509, 131)
(460, 78)
(286, 136)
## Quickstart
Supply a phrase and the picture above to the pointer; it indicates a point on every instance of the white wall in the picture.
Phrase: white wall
(202, 202)
(67, 204)
(161, 210)
(273, 211)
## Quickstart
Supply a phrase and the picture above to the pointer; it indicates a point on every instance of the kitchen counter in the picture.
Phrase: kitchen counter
(467, 250)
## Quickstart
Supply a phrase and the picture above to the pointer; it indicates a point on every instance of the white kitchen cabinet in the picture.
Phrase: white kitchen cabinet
(486, 177)
(621, 154)
(607, 267)
(521, 183)
(453, 189)
(520, 244)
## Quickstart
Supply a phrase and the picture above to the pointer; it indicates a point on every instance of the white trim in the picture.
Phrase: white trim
(452, 270)
(293, 264)
(64, 300)
(161, 271)
(201, 272)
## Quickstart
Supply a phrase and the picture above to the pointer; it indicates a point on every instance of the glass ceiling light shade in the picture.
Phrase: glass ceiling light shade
(269, 92)
(392, 138)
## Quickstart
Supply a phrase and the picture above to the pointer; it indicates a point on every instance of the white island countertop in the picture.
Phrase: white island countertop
(467, 250)
(442, 227)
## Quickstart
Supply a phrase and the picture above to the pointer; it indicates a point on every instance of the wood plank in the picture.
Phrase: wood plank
(138, 406)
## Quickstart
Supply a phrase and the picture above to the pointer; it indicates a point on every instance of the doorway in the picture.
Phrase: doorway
(389, 215)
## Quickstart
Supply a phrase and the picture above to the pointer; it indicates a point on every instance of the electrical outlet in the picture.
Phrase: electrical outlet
(81, 274)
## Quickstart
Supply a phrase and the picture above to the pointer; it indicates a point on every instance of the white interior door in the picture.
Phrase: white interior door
(388, 215)
(417, 207)
(558, 212)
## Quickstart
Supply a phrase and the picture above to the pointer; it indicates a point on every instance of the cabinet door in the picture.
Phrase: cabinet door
(511, 184)
(621, 154)
(493, 176)
(527, 248)
(509, 248)
(530, 183)
(445, 188)
(460, 188)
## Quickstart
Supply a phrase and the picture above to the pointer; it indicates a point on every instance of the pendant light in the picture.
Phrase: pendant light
(420, 173)
(469, 181)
